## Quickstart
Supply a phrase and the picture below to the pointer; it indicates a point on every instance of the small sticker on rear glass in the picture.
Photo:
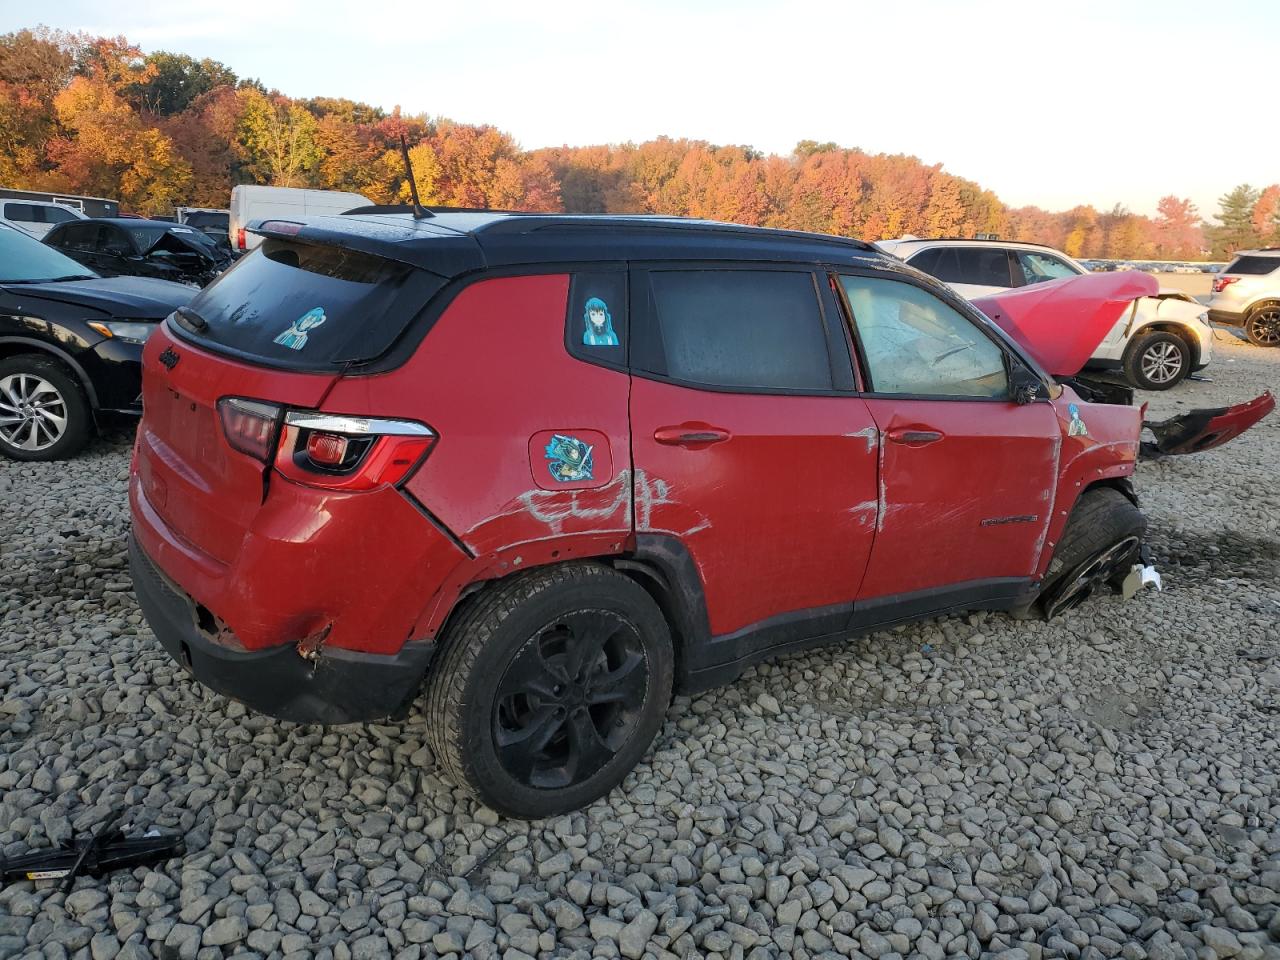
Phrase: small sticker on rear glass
(569, 459)
(597, 324)
(1076, 428)
(295, 338)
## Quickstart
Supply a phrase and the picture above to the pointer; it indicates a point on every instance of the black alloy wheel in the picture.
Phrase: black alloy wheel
(549, 688)
(1263, 326)
(570, 698)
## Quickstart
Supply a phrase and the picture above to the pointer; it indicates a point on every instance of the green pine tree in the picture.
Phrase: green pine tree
(1235, 216)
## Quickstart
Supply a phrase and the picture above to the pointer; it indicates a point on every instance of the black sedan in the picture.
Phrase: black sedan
(70, 346)
(141, 248)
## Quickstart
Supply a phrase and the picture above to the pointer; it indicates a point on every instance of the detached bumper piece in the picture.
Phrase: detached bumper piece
(301, 681)
(106, 850)
(1205, 429)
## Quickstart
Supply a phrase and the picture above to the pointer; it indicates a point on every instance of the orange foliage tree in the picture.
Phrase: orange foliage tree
(92, 115)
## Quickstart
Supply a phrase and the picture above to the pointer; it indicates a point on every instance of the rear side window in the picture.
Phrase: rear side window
(596, 326)
(22, 212)
(735, 329)
(1252, 266)
(984, 266)
(309, 306)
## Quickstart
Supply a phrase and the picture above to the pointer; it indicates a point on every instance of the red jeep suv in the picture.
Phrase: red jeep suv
(552, 467)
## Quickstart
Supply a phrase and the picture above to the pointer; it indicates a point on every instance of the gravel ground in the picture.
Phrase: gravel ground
(1105, 785)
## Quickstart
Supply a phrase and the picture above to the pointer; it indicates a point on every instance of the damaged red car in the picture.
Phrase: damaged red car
(552, 468)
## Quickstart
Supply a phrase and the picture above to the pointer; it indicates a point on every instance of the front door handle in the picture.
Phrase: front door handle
(695, 435)
(914, 436)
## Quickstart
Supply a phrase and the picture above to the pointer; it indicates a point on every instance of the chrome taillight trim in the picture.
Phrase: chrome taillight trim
(360, 426)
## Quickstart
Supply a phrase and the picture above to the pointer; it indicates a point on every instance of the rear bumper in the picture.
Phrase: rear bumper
(334, 686)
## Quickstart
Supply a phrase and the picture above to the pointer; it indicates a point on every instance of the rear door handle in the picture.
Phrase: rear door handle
(691, 435)
(914, 436)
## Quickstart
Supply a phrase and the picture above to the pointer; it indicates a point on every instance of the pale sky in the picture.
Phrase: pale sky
(1046, 104)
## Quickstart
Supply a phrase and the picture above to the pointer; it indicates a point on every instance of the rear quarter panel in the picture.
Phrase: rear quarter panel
(492, 378)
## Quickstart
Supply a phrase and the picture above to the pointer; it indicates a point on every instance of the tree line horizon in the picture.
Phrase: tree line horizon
(95, 116)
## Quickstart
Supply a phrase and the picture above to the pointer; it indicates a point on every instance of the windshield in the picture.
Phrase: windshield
(148, 235)
(25, 259)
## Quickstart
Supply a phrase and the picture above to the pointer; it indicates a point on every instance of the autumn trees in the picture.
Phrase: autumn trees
(93, 115)
(1247, 217)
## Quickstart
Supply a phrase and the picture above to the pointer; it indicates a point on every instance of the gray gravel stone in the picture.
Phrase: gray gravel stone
(1100, 785)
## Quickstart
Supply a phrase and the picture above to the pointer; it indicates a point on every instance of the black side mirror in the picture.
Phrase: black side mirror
(1024, 386)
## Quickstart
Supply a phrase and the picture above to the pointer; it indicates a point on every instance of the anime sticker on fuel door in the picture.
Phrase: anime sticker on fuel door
(569, 459)
(597, 324)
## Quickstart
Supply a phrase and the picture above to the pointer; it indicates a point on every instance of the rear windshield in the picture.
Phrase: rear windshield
(1253, 266)
(206, 221)
(308, 306)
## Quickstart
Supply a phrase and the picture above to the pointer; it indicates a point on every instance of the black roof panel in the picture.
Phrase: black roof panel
(453, 242)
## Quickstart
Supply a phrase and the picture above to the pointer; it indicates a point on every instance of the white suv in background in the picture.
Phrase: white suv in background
(37, 217)
(1247, 294)
(1156, 344)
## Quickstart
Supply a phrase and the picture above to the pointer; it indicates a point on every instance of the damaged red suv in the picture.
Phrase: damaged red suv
(551, 468)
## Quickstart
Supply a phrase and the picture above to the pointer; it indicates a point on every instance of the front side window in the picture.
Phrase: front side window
(736, 329)
(77, 236)
(57, 214)
(916, 344)
(1039, 267)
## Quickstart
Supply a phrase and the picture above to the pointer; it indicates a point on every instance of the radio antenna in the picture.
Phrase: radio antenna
(419, 211)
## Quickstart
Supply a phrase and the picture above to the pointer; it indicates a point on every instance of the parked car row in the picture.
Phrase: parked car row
(1247, 294)
(70, 345)
(1109, 266)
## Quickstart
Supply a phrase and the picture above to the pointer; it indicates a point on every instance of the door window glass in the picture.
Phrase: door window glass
(1039, 267)
(596, 327)
(115, 243)
(22, 212)
(736, 329)
(983, 266)
(916, 344)
(56, 214)
(77, 236)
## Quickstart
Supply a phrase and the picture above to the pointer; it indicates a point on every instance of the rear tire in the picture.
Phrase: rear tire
(1101, 542)
(43, 411)
(1262, 327)
(1157, 361)
(549, 688)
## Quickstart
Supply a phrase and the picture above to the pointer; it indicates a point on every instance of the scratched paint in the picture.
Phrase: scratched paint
(869, 434)
(553, 507)
(865, 513)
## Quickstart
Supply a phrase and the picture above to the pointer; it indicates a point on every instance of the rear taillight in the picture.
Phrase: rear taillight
(325, 449)
(1221, 283)
(350, 453)
(240, 238)
(250, 426)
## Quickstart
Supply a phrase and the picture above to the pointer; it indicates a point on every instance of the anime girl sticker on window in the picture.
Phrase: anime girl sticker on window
(597, 324)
